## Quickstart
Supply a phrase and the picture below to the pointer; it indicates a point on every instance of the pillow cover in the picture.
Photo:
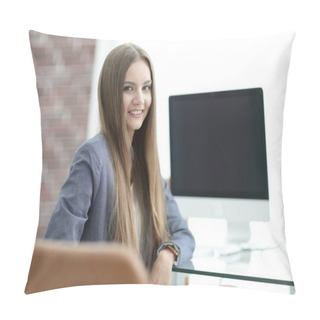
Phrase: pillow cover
(67, 71)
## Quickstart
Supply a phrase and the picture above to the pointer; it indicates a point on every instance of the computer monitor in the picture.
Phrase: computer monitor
(218, 157)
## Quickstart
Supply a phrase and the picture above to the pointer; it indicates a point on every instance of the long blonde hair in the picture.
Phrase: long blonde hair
(137, 163)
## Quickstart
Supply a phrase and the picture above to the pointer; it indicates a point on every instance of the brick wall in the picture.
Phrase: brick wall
(64, 70)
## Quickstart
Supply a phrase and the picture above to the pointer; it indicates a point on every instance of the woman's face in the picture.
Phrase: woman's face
(137, 95)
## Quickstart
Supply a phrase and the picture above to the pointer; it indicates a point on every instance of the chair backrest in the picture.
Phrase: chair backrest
(57, 264)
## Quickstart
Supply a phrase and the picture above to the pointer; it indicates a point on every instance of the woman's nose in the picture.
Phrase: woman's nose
(138, 98)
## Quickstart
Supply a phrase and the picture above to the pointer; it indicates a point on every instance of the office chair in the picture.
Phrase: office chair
(57, 264)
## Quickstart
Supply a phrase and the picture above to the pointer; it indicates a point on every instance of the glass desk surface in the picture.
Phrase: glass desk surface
(266, 268)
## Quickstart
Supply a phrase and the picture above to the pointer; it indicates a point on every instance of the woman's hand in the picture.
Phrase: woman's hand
(162, 267)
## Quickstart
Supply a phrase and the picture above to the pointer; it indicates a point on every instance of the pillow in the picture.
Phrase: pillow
(67, 71)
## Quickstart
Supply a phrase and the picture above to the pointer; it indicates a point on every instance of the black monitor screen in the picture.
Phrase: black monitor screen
(217, 144)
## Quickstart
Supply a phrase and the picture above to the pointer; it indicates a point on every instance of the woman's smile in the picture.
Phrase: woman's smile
(136, 113)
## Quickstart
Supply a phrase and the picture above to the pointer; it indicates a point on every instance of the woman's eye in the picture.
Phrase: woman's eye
(148, 87)
(127, 88)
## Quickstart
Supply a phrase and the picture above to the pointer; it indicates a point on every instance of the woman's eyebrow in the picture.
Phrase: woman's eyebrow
(133, 83)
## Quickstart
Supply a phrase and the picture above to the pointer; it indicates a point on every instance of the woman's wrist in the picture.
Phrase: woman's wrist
(167, 254)
(170, 246)
(162, 267)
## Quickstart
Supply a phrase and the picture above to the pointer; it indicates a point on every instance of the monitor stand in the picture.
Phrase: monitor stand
(237, 239)
(238, 232)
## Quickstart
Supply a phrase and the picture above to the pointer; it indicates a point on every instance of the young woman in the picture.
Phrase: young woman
(114, 191)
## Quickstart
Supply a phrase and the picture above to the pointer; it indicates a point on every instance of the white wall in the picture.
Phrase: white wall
(101, 51)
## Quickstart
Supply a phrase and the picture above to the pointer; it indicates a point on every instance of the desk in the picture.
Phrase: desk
(266, 269)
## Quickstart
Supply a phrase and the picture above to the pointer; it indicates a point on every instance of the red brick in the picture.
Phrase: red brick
(64, 69)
